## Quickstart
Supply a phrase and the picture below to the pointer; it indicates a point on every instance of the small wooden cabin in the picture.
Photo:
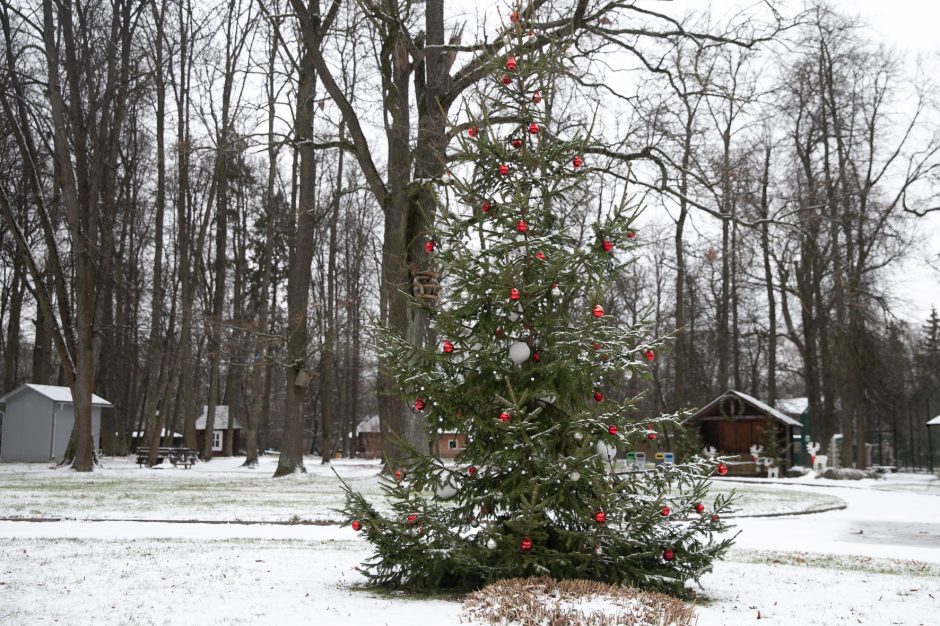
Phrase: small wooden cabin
(450, 444)
(369, 438)
(735, 421)
(219, 426)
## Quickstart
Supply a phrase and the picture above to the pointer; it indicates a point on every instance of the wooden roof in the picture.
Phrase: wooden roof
(712, 409)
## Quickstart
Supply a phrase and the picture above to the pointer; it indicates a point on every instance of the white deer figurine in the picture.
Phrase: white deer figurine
(711, 451)
(755, 453)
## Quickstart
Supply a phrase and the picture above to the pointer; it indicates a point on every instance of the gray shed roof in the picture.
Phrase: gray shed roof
(934, 422)
(761, 406)
(54, 393)
(221, 419)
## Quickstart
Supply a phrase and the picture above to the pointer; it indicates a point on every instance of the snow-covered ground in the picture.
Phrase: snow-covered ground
(876, 561)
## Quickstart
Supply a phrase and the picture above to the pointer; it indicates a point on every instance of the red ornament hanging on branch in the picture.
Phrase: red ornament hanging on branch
(600, 517)
(668, 554)
(399, 474)
(516, 142)
(665, 512)
(411, 519)
(472, 132)
(540, 255)
(699, 507)
(503, 169)
(598, 396)
(448, 347)
(506, 80)
(722, 469)
(650, 434)
(513, 294)
(577, 161)
(511, 64)
(525, 545)
(522, 226)
(514, 17)
(631, 234)
(429, 246)
(612, 429)
(597, 311)
(534, 128)
(608, 245)
(472, 470)
(419, 404)
(504, 417)
(537, 97)
(486, 206)
(650, 355)
(356, 525)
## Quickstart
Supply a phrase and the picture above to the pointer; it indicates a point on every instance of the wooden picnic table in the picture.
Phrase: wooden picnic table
(177, 456)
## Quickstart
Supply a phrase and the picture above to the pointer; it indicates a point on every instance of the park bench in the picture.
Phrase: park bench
(177, 456)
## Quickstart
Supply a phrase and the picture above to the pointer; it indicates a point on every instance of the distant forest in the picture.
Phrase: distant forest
(211, 203)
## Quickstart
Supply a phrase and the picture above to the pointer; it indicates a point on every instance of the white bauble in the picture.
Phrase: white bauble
(446, 492)
(556, 292)
(491, 543)
(606, 451)
(578, 436)
(519, 352)
(575, 475)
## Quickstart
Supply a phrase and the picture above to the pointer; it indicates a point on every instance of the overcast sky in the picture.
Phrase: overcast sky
(911, 28)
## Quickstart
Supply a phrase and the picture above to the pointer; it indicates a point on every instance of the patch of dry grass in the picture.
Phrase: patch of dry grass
(547, 602)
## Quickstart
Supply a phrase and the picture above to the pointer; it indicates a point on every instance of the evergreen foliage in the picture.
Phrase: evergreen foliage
(537, 490)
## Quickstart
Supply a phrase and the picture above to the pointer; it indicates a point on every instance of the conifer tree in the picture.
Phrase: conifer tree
(526, 367)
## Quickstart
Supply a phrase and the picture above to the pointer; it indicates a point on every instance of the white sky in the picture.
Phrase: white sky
(910, 28)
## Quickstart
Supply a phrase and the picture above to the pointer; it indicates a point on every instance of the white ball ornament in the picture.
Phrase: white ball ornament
(446, 492)
(491, 543)
(575, 475)
(519, 352)
(556, 292)
(606, 452)
(578, 436)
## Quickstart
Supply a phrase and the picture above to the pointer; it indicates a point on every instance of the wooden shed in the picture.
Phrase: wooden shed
(219, 426)
(38, 421)
(369, 438)
(735, 421)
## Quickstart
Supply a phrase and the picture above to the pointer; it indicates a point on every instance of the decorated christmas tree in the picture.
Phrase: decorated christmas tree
(529, 366)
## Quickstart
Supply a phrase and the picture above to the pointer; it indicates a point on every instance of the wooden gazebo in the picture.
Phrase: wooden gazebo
(735, 421)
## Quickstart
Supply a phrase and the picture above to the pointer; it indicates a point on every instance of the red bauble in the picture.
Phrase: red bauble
(472, 470)
(429, 246)
(577, 161)
(668, 554)
(513, 294)
(419, 404)
(598, 396)
(499, 332)
(537, 97)
(535, 356)
(472, 132)
(399, 474)
(600, 517)
(608, 245)
(699, 507)
(448, 347)
(597, 311)
(522, 226)
(612, 429)
(356, 525)
(506, 80)
(540, 255)
(511, 64)
(411, 519)
(486, 206)
(504, 417)
(503, 169)
(714, 519)
(514, 17)
(525, 545)
(534, 128)
(516, 142)
(665, 512)
(651, 435)
(631, 234)
(650, 355)
(722, 469)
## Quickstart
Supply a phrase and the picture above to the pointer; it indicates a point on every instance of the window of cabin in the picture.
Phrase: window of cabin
(452, 444)
(216, 440)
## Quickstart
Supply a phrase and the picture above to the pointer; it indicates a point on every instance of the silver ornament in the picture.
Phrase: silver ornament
(575, 475)
(446, 492)
(606, 452)
(491, 543)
